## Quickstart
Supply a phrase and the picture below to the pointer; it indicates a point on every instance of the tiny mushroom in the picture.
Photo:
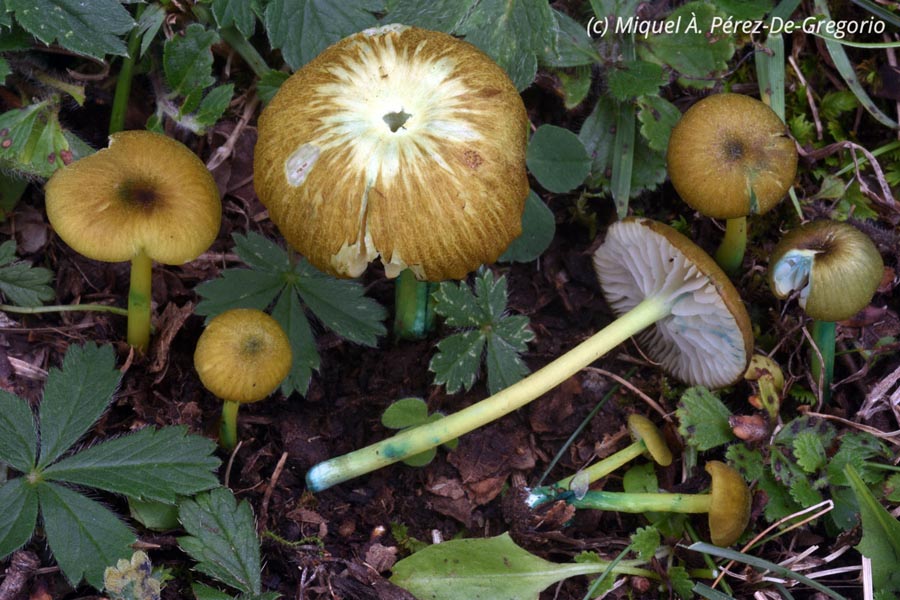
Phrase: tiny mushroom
(727, 503)
(144, 198)
(836, 269)
(730, 156)
(662, 284)
(242, 356)
(646, 440)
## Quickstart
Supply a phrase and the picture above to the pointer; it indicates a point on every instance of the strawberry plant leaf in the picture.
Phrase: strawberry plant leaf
(213, 106)
(458, 358)
(657, 116)
(237, 13)
(21, 283)
(439, 15)
(19, 515)
(809, 451)
(557, 158)
(85, 536)
(188, 60)
(18, 433)
(881, 535)
(703, 419)
(632, 78)
(508, 340)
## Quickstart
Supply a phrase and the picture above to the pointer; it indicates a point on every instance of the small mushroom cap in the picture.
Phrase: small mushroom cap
(723, 147)
(243, 355)
(729, 510)
(835, 267)
(707, 338)
(396, 142)
(643, 429)
(145, 192)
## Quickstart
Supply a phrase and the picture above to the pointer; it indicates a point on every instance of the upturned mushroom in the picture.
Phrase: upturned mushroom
(836, 270)
(651, 276)
(242, 356)
(145, 198)
(729, 157)
(727, 503)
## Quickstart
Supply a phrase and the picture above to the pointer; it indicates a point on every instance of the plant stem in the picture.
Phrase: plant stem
(643, 502)
(123, 81)
(34, 310)
(421, 438)
(139, 295)
(228, 426)
(245, 49)
(413, 307)
(730, 254)
(823, 335)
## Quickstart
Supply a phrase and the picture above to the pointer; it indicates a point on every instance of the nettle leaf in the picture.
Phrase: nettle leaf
(21, 283)
(538, 229)
(237, 13)
(85, 536)
(91, 28)
(657, 116)
(630, 79)
(18, 433)
(301, 29)
(809, 451)
(500, 338)
(150, 464)
(703, 419)
(188, 60)
(74, 397)
(222, 539)
(557, 158)
(881, 535)
(19, 515)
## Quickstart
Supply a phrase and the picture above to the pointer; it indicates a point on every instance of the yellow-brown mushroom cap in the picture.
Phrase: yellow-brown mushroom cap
(643, 429)
(729, 510)
(243, 355)
(723, 147)
(396, 142)
(144, 193)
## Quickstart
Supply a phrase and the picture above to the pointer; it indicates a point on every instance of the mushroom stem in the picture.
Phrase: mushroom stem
(126, 74)
(139, 295)
(413, 306)
(228, 425)
(823, 335)
(419, 439)
(643, 502)
(730, 253)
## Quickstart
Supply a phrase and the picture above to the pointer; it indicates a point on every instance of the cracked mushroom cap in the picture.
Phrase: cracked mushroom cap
(144, 192)
(243, 355)
(731, 156)
(707, 338)
(729, 509)
(643, 429)
(396, 142)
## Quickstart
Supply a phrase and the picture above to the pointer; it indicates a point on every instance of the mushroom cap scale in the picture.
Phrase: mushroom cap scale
(707, 338)
(731, 156)
(145, 192)
(243, 355)
(396, 142)
(729, 508)
(835, 267)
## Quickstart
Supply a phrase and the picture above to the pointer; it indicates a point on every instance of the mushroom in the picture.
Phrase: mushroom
(399, 143)
(727, 503)
(730, 156)
(646, 440)
(836, 269)
(242, 356)
(145, 198)
(652, 274)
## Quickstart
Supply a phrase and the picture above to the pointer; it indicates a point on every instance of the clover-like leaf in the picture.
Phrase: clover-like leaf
(557, 158)
(538, 229)
(703, 419)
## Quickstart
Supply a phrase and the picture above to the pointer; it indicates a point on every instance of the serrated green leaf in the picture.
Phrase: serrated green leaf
(289, 314)
(18, 433)
(881, 535)
(91, 28)
(149, 24)
(238, 288)
(657, 117)
(703, 419)
(213, 106)
(301, 29)
(188, 60)
(632, 78)
(439, 15)
(538, 229)
(84, 536)
(237, 13)
(21, 283)
(509, 338)
(149, 464)
(19, 515)
(892, 488)
(490, 295)
(406, 412)
(222, 539)
(645, 542)
(33, 142)
(205, 592)
(456, 304)
(748, 462)
(261, 253)
(74, 398)
(779, 504)
(681, 582)
(557, 158)
(809, 451)
(803, 492)
(458, 357)
(857, 449)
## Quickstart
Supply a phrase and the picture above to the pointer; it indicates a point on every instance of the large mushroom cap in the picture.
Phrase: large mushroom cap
(730, 156)
(396, 142)
(835, 267)
(145, 192)
(729, 509)
(707, 338)
(243, 355)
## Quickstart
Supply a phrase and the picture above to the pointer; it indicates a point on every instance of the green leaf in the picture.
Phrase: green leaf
(481, 568)
(892, 488)
(33, 143)
(19, 515)
(301, 29)
(629, 79)
(657, 117)
(509, 339)
(457, 305)
(213, 106)
(222, 539)
(269, 84)
(289, 314)
(237, 13)
(205, 592)
(809, 451)
(149, 464)
(804, 494)
(681, 582)
(91, 28)
(238, 288)
(538, 229)
(572, 47)
(188, 60)
(440, 15)
(74, 398)
(748, 462)
(645, 542)
(406, 412)
(21, 283)
(84, 536)
(881, 535)
(18, 434)
(261, 253)
(780, 503)
(703, 419)
(557, 158)
(5, 70)
(458, 357)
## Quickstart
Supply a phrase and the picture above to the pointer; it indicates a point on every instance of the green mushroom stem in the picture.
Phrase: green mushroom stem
(730, 253)
(413, 306)
(823, 335)
(643, 502)
(228, 425)
(139, 296)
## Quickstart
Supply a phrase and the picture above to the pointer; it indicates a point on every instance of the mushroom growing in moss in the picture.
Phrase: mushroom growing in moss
(145, 198)
(836, 269)
(242, 356)
(662, 284)
(399, 143)
(730, 156)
